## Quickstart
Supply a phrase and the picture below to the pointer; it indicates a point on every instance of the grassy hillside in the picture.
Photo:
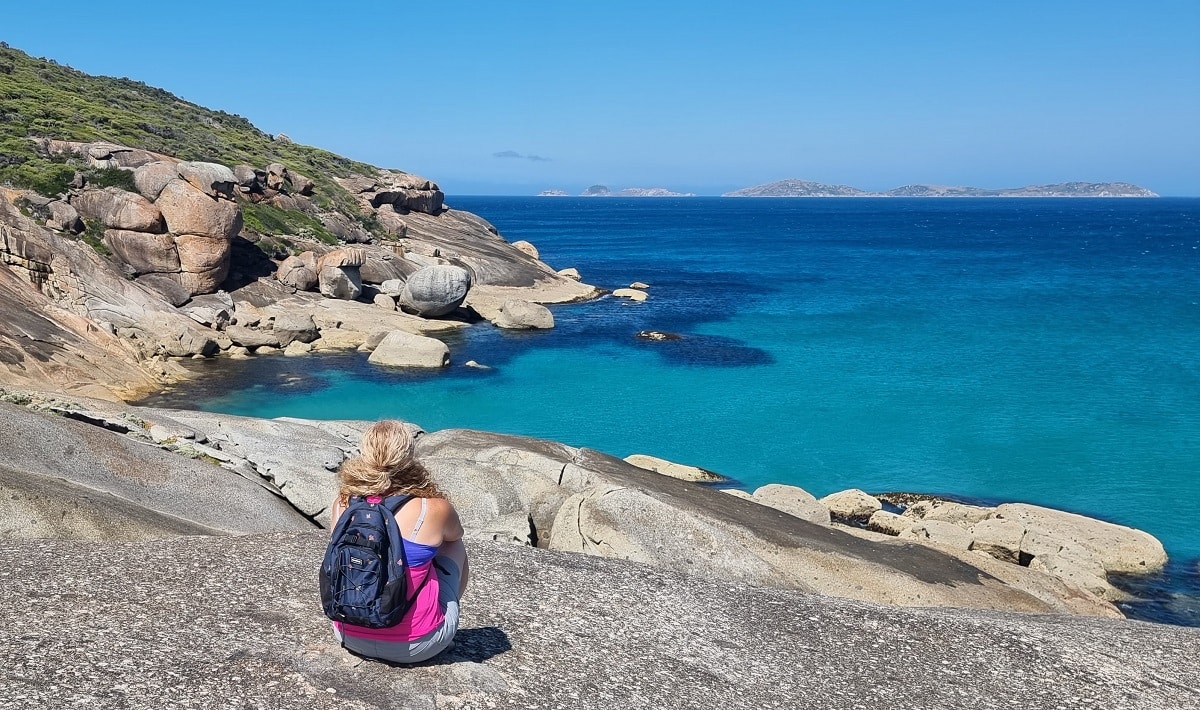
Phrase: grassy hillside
(41, 98)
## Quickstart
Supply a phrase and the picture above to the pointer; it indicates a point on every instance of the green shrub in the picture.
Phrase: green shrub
(269, 220)
(112, 177)
(93, 236)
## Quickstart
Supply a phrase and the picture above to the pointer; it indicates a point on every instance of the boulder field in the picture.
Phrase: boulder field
(154, 557)
(112, 285)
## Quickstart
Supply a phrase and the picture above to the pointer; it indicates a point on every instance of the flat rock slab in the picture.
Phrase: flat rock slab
(235, 622)
(64, 478)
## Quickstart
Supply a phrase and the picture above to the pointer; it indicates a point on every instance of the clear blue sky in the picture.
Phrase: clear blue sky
(697, 96)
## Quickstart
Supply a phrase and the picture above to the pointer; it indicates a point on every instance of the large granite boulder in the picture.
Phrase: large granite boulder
(203, 262)
(345, 229)
(142, 252)
(851, 506)
(252, 337)
(248, 177)
(117, 209)
(299, 271)
(341, 282)
(189, 211)
(213, 179)
(793, 500)
(999, 538)
(400, 349)
(519, 314)
(435, 290)
(64, 217)
(674, 470)
(300, 184)
(1119, 549)
(295, 327)
(151, 178)
(169, 286)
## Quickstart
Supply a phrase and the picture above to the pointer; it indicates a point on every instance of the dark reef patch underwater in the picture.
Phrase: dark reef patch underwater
(1035, 350)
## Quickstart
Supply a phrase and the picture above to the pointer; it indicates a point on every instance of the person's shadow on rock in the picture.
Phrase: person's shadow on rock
(470, 646)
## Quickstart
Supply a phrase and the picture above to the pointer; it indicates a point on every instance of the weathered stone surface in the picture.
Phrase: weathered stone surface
(118, 209)
(347, 256)
(519, 314)
(189, 211)
(674, 470)
(1080, 570)
(301, 184)
(640, 285)
(570, 273)
(1119, 548)
(64, 217)
(661, 638)
(204, 281)
(151, 178)
(384, 301)
(342, 282)
(276, 176)
(297, 349)
(295, 327)
(631, 293)
(344, 229)
(143, 252)
(938, 532)
(61, 478)
(999, 538)
(167, 286)
(793, 501)
(889, 523)
(392, 287)
(852, 505)
(957, 513)
(252, 337)
(435, 290)
(247, 176)
(400, 349)
(297, 457)
(199, 253)
(299, 272)
(526, 247)
(213, 179)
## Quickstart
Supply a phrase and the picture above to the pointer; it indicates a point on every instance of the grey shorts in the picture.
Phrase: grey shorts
(432, 643)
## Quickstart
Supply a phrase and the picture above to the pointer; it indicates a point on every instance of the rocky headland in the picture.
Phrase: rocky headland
(174, 552)
(805, 188)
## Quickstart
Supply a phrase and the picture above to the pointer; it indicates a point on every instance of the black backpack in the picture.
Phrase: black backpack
(364, 579)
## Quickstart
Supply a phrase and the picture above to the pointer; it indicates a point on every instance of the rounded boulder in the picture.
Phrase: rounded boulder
(435, 290)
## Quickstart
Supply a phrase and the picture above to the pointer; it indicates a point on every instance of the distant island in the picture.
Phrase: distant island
(805, 188)
(603, 191)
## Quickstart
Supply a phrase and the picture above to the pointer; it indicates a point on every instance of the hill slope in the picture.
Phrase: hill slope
(43, 99)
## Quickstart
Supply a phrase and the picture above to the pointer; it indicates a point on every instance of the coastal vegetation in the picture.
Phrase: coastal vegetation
(40, 98)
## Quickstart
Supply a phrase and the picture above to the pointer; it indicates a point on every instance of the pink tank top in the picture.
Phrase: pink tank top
(425, 615)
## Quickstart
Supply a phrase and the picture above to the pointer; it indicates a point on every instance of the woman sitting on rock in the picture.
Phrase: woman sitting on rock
(432, 537)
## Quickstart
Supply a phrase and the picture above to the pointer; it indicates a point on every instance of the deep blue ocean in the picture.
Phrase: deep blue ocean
(1036, 350)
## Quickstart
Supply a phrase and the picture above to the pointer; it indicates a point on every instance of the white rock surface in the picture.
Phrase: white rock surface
(674, 470)
(400, 349)
(793, 501)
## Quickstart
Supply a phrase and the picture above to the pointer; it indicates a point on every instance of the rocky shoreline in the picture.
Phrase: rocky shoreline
(620, 570)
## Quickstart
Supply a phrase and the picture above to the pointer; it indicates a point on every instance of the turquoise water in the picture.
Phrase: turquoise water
(1003, 350)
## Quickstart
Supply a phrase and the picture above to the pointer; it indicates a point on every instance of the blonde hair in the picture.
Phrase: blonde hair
(385, 465)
